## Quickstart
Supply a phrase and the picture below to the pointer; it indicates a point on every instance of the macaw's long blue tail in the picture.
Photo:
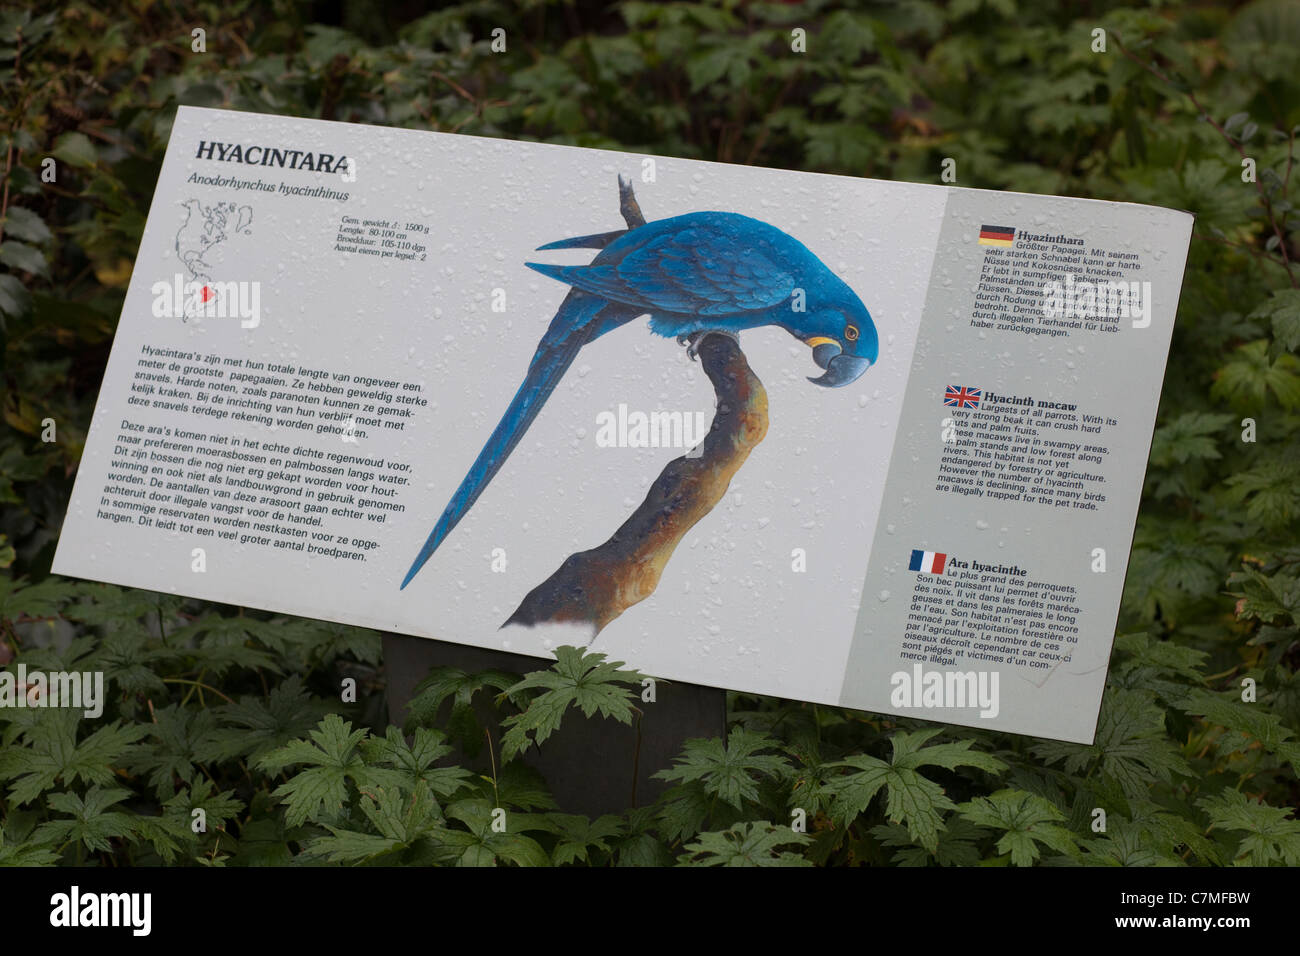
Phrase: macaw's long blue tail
(576, 323)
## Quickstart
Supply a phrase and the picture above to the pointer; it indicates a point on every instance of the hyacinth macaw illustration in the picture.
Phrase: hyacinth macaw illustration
(696, 273)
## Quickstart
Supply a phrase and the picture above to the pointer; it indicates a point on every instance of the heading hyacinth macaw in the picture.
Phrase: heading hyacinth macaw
(701, 272)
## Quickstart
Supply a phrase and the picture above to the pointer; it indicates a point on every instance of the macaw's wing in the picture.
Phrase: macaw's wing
(699, 269)
(599, 241)
(580, 318)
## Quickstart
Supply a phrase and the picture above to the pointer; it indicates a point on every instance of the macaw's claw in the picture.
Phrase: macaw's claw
(689, 341)
(692, 340)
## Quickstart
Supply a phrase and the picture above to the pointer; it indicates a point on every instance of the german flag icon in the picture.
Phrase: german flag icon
(997, 235)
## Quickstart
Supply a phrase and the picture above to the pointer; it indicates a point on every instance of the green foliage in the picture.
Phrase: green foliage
(1023, 821)
(586, 681)
(748, 844)
(1270, 836)
(332, 760)
(910, 798)
(224, 740)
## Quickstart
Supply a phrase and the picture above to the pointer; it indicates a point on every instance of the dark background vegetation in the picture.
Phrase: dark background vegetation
(238, 712)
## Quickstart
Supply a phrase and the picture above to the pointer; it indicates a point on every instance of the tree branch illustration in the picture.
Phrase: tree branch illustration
(596, 586)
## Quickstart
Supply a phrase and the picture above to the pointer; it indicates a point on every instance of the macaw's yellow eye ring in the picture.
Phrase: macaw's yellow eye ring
(851, 333)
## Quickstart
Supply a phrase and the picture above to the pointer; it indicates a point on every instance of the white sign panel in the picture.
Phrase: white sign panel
(847, 441)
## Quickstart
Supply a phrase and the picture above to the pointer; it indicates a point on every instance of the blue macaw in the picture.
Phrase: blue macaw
(701, 272)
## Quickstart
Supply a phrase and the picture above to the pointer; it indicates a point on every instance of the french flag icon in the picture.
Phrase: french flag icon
(927, 562)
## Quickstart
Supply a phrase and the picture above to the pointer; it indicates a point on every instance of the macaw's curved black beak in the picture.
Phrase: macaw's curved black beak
(841, 369)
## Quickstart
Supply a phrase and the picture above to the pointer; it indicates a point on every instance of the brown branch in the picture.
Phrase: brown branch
(1262, 257)
(594, 587)
(9, 154)
(464, 93)
(1290, 157)
(628, 207)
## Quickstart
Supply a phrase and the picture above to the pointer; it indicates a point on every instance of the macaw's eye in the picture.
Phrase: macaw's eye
(851, 333)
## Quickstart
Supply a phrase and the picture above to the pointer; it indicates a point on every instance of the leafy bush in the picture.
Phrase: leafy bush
(238, 713)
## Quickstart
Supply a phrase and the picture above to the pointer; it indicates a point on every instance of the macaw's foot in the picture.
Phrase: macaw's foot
(689, 341)
(692, 340)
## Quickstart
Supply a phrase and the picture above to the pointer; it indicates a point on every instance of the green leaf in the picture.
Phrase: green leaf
(747, 844)
(255, 726)
(1252, 722)
(728, 771)
(332, 757)
(1190, 436)
(1270, 491)
(167, 754)
(26, 852)
(53, 754)
(586, 681)
(75, 149)
(1172, 832)
(414, 763)
(1271, 837)
(449, 683)
(90, 821)
(517, 785)
(1131, 749)
(19, 255)
(1148, 660)
(910, 797)
(171, 833)
(1283, 308)
(44, 599)
(1125, 844)
(14, 297)
(957, 844)
(1271, 598)
(578, 836)
(1026, 820)
(353, 846)
(131, 660)
(1250, 377)
(24, 224)
(403, 817)
(684, 810)
(484, 843)
(264, 839)
(730, 59)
